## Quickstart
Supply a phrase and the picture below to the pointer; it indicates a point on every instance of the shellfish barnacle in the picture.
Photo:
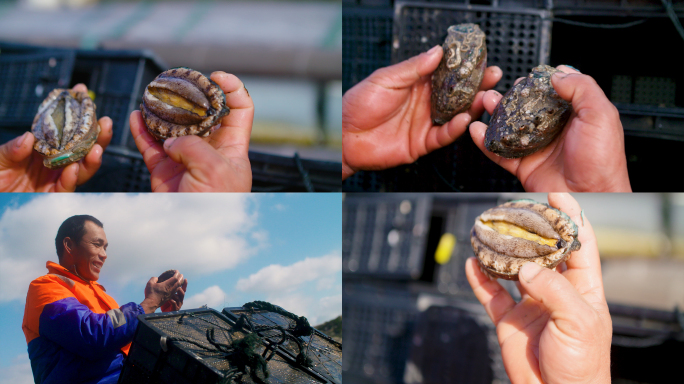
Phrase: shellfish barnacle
(459, 75)
(182, 101)
(510, 235)
(65, 127)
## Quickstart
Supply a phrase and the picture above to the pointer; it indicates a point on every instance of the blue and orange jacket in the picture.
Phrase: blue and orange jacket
(76, 333)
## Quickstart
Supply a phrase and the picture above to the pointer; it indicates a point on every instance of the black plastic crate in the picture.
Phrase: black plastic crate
(324, 352)
(517, 39)
(648, 92)
(122, 170)
(272, 173)
(377, 330)
(155, 357)
(366, 42)
(26, 79)
(450, 344)
(649, 338)
(117, 77)
(385, 235)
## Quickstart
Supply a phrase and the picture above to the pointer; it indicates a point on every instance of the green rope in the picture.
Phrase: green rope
(302, 327)
(246, 356)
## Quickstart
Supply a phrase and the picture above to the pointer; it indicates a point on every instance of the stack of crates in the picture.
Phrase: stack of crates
(174, 348)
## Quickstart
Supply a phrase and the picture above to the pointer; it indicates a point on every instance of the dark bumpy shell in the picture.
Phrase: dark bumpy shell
(502, 255)
(65, 127)
(529, 116)
(167, 275)
(182, 101)
(459, 75)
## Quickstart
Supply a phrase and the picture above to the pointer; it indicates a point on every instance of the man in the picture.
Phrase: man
(75, 332)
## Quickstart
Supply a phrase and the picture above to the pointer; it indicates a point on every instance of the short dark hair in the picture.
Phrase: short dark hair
(74, 228)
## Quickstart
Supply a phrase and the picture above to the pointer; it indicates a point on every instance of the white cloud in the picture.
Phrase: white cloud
(147, 234)
(213, 297)
(19, 372)
(279, 207)
(278, 278)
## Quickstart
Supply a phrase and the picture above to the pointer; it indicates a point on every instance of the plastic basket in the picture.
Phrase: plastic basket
(272, 173)
(117, 77)
(384, 236)
(366, 42)
(324, 352)
(377, 331)
(450, 345)
(26, 79)
(154, 358)
(517, 39)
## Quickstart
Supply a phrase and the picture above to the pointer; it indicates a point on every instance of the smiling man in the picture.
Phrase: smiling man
(77, 333)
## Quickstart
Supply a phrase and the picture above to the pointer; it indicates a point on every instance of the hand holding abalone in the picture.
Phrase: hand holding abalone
(182, 101)
(528, 117)
(65, 127)
(510, 235)
(167, 275)
(459, 75)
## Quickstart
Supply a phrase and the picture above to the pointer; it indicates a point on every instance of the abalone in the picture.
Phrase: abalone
(65, 127)
(182, 101)
(459, 75)
(167, 275)
(528, 117)
(510, 235)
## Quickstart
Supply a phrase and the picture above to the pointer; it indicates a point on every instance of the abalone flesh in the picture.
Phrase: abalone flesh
(182, 101)
(65, 127)
(459, 75)
(510, 235)
(528, 117)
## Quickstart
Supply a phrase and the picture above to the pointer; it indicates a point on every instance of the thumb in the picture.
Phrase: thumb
(16, 150)
(406, 73)
(198, 156)
(556, 293)
(582, 92)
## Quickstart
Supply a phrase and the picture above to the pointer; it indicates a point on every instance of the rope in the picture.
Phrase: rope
(305, 175)
(592, 25)
(673, 16)
(302, 327)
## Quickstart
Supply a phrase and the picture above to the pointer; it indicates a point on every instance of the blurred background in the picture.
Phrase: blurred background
(598, 37)
(409, 319)
(287, 53)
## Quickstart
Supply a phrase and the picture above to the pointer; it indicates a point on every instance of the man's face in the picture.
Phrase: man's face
(91, 252)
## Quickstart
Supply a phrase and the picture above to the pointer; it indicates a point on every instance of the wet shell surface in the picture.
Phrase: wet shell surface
(65, 127)
(167, 275)
(510, 235)
(528, 117)
(182, 101)
(460, 73)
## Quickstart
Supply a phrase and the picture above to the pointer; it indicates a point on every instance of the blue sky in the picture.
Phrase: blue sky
(232, 248)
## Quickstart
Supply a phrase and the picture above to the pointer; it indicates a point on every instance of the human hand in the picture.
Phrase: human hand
(157, 294)
(176, 301)
(560, 331)
(217, 163)
(588, 156)
(386, 117)
(22, 169)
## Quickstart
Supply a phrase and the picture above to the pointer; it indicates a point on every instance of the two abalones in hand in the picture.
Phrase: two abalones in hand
(179, 102)
(528, 117)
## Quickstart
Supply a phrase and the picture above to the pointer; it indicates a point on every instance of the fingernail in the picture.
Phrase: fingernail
(559, 75)
(168, 142)
(570, 66)
(21, 140)
(434, 49)
(529, 271)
